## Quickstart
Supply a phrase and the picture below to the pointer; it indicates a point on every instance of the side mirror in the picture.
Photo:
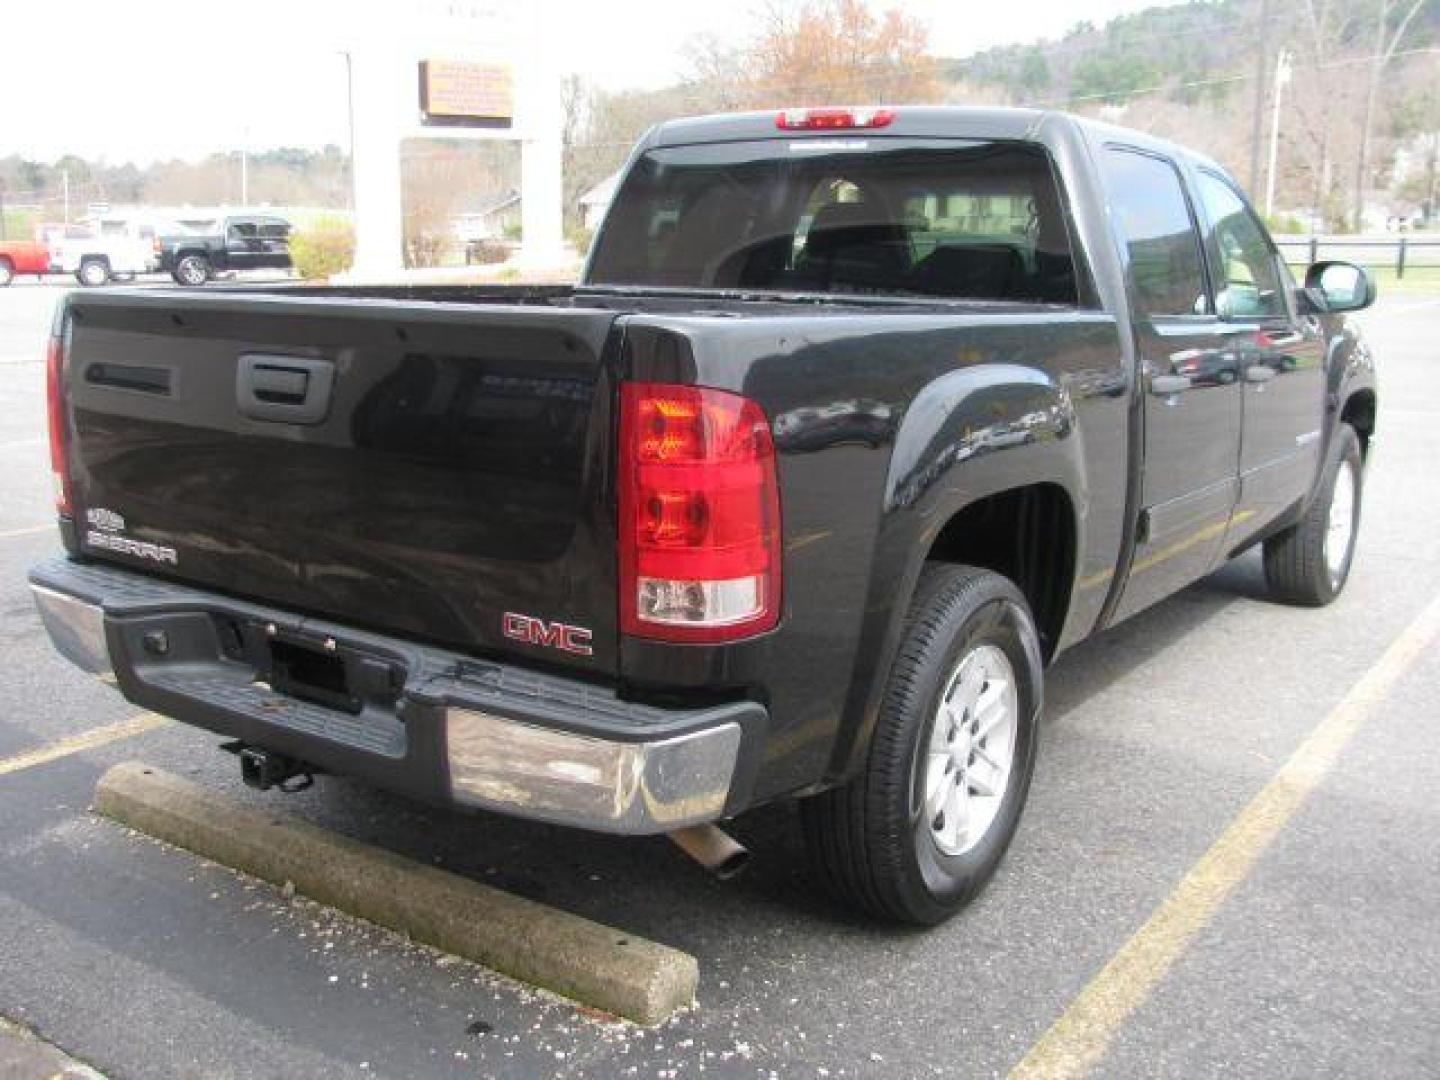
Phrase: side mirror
(1336, 287)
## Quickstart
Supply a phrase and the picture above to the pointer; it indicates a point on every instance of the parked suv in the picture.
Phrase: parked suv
(236, 242)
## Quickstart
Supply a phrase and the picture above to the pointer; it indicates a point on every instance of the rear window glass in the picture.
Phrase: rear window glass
(1154, 220)
(969, 220)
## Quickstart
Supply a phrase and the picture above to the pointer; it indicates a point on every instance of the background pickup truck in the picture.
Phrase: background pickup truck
(104, 249)
(237, 242)
(859, 418)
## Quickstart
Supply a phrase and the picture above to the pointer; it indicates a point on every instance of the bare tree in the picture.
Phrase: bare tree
(439, 179)
(1320, 94)
(717, 75)
(1386, 43)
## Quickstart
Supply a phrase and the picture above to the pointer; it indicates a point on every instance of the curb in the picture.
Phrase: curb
(593, 964)
(26, 1056)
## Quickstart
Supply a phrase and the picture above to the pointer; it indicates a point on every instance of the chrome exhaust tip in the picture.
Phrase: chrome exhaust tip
(713, 848)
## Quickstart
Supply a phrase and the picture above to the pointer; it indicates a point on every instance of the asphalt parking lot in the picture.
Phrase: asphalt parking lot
(1321, 956)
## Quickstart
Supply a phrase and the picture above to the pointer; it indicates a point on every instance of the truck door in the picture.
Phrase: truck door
(1189, 380)
(275, 243)
(242, 244)
(1281, 360)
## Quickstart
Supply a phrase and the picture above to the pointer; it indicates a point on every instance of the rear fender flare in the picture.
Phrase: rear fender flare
(970, 434)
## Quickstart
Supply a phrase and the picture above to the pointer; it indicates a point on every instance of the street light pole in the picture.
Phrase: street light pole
(244, 165)
(1282, 76)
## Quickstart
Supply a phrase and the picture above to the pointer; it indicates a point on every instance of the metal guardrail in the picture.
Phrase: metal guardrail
(1397, 253)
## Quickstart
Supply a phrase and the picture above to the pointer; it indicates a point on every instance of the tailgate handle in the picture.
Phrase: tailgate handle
(284, 389)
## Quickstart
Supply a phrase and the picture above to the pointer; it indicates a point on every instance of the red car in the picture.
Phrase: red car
(23, 257)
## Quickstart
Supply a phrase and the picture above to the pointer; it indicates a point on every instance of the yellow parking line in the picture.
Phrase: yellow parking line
(86, 740)
(33, 530)
(1079, 1039)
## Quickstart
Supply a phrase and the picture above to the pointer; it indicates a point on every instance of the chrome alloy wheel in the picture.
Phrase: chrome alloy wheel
(971, 750)
(1340, 526)
(191, 271)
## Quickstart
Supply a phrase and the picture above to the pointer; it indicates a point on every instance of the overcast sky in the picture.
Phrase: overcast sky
(179, 78)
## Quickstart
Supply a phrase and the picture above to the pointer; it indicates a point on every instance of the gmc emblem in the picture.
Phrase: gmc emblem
(549, 635)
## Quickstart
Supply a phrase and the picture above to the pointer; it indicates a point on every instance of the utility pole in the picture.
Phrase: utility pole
(1282, 76)
(65, 186)
(1257, 113)
(3, 234)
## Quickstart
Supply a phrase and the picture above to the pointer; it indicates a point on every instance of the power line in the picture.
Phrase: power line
(1162, 88)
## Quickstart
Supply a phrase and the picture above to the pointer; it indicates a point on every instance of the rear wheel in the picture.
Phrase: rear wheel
(921, 830)
(93, 272)
(1309, 563)
(192, 271)
(7, 272)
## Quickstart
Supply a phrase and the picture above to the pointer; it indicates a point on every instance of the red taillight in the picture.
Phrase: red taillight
(59, 429)
(833, 119)
(699, 515)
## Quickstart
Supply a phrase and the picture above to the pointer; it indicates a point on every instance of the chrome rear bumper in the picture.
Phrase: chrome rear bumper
(76, 629)
(463, 731)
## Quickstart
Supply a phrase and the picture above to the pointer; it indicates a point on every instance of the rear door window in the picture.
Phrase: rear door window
(1153, 217)
(962, 220)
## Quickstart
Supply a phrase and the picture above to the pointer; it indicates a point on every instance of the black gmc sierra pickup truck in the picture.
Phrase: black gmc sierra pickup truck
(237, 242)
(857, 420)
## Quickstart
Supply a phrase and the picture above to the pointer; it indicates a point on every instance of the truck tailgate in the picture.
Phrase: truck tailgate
(421, 469)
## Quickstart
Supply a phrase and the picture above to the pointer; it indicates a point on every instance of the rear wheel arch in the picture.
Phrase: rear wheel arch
(1027, 534)
(956, 535)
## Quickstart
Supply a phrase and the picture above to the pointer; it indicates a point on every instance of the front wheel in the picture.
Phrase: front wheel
(7, 273)
(93, 273)
(192, 271)
(1309, 563)
(924, 826)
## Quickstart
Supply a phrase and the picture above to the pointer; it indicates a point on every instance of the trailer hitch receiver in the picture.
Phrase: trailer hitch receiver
(262, 770)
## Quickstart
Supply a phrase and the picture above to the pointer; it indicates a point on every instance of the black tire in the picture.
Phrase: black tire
(192, 271)
(1296, 565)
(93, 273)
(7, 272)
(870, 841)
